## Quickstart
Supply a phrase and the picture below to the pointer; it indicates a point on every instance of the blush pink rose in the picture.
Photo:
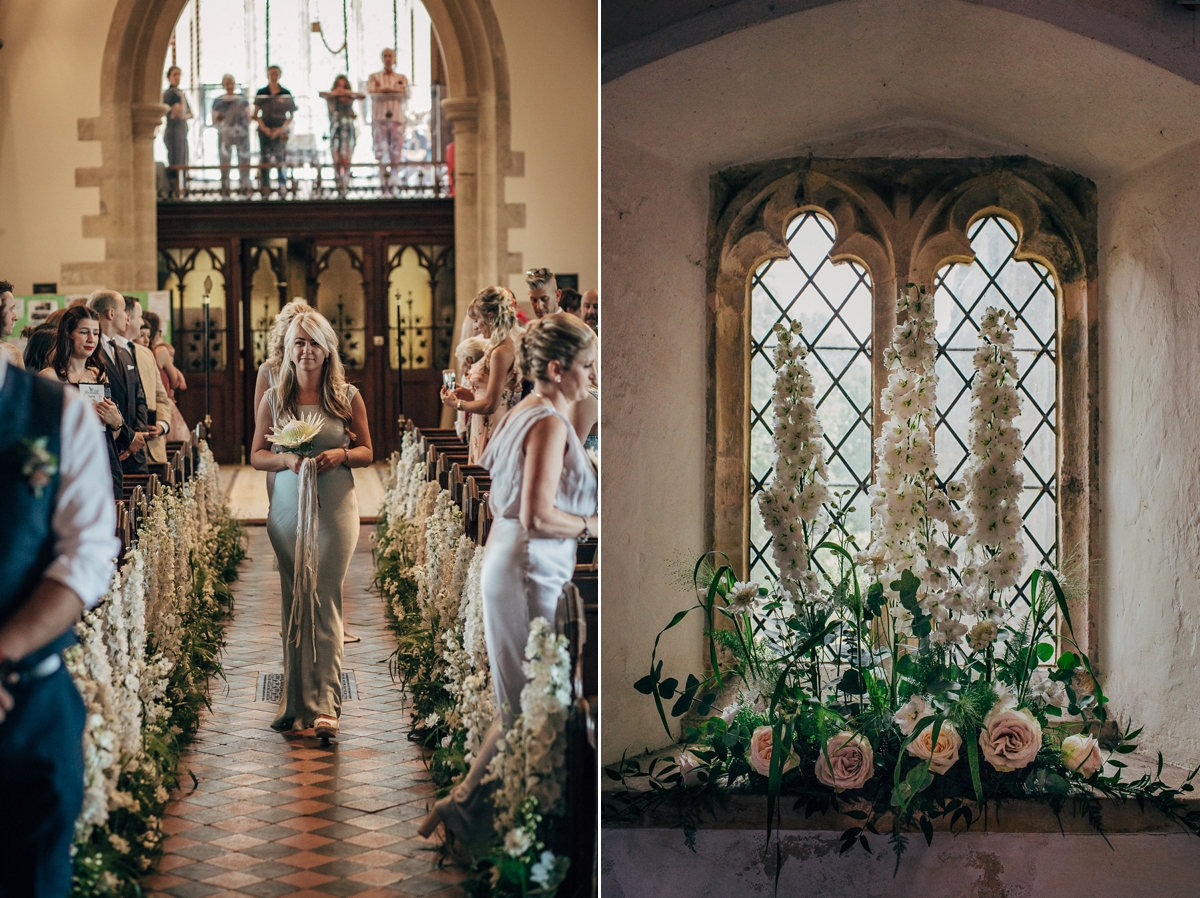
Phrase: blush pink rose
(942, 756)
(759, 754)
(1010, 739)
(1082, 754)
(847, 762)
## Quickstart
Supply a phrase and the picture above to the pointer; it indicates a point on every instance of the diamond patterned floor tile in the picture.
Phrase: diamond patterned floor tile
(282, 815)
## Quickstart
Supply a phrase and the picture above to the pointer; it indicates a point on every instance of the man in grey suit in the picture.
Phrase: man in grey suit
(158, 407)
(123, 379)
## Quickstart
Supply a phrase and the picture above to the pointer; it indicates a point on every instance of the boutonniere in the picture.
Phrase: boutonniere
(40, 464)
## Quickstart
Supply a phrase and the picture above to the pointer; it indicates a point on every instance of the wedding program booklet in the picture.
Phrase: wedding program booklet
(92, 392)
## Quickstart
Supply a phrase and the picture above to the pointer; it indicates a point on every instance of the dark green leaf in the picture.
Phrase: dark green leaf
(667, 687)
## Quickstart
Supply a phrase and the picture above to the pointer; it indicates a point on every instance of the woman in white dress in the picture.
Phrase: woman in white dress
(543, 498)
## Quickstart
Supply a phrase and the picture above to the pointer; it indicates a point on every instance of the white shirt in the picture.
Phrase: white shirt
(85, 517)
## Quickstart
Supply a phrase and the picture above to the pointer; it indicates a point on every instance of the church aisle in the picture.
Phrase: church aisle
(279, 815)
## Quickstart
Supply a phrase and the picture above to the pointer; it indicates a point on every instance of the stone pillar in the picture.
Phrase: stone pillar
(469, 241)
(143, 197)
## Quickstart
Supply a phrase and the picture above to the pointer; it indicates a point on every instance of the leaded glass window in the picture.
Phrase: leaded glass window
(1027, 290)
(833, 303)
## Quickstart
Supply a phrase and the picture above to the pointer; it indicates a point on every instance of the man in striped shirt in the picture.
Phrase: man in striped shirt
(388, 90)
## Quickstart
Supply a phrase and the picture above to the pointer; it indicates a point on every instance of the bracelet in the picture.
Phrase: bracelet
(458, 404)
(347, 451)
(586, 531)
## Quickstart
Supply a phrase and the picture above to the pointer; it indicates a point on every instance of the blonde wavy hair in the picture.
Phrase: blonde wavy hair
(498, 306)
(335, 397)
(279, 328)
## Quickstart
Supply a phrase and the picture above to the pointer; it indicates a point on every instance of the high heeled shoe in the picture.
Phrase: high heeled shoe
(434, 818)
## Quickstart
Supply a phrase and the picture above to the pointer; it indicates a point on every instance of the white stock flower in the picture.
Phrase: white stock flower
(517, 842)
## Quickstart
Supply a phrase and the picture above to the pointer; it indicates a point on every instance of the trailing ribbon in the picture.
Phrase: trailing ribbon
(304, 578)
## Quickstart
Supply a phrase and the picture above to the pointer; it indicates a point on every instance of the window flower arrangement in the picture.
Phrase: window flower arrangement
(909, 685)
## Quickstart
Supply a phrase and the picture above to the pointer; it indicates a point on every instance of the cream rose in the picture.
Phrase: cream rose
(847, 762)
(759, 754)
(689, 764)
(1010, 738)
(942, 756)
(1082, 755)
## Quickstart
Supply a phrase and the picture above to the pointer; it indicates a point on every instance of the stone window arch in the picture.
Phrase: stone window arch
(905, 221)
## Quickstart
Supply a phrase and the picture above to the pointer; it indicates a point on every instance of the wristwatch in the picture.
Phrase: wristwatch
(587, 533)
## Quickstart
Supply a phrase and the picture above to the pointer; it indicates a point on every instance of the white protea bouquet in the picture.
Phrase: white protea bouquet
(297, 435)
(794, 501)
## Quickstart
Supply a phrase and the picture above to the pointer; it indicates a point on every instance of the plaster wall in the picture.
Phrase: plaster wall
(1150, 616)
(656, 864)
(877, 78)
(48, 71)
(552, 59)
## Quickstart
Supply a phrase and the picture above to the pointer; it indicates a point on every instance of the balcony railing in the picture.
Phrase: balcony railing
(302, 180)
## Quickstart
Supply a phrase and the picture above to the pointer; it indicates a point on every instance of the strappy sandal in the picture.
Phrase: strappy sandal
(325, 727)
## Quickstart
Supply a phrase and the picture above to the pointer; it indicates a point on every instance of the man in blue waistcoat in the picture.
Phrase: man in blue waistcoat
(57, 541)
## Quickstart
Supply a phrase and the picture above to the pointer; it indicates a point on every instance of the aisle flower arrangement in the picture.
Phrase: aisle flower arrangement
(142, 666)
(428, 572)
(904, 682)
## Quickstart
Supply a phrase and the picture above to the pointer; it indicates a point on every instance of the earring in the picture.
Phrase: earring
(558, 379)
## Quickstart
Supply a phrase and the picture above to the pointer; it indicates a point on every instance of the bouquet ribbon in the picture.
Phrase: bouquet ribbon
(304, 578)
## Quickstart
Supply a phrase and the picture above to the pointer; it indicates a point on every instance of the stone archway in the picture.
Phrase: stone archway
(130, 110)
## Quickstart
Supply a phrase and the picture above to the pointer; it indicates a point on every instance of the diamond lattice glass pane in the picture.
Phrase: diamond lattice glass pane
(833, 302)
(1026, 289)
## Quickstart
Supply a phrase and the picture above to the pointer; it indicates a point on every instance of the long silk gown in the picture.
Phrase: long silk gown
(314, 687)
(522, 578)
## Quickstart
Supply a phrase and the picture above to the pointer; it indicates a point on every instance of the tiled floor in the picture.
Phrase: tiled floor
(280, 815)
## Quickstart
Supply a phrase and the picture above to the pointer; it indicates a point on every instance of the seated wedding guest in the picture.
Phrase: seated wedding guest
(123, 379)
(56, 547)
(8, 319)
(231, 115)
(494, 384)
(589, 309)
(568, 301)
(39, 345)
(467, 353)
(164, 353)
(543, 499)
(158, 407)
(74, 361)
(543, 291)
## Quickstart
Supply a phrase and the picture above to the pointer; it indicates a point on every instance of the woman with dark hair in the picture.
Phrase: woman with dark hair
(543, 499)
(73, 361)
(494, 385)
(343, 134)
(39, 343)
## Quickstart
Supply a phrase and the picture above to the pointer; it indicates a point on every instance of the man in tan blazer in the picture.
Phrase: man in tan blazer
(157, 403)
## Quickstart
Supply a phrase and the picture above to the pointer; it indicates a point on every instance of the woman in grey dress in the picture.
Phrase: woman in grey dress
(312, 380)
(543, 498)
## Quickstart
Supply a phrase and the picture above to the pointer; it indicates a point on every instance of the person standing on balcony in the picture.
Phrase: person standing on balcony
(175, 134)
(231, 115)
(388, 89)
(273, 108)
(343, 130)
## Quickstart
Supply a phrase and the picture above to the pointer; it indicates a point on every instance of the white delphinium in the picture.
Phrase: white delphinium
(907, 507)
(794, 501)
(531, 758)
(994, 478)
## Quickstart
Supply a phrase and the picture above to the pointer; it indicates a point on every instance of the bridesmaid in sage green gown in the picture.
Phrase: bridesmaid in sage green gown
(312, 380)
